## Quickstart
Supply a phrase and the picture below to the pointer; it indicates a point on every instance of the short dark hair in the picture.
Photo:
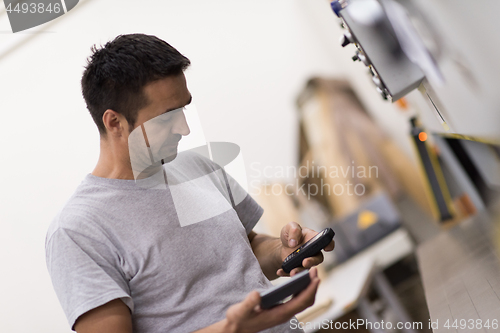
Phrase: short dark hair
(116, 74)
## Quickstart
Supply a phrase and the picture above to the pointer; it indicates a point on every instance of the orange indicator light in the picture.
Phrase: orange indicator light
(422, 136)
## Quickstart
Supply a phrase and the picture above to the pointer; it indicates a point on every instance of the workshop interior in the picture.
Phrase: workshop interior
(379, 119)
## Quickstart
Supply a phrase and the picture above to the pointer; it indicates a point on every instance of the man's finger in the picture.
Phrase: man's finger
(281, 272)
(239, 311)
(313, 261)
(250, 302)
(293, 234)
(330, 246)
(313, 272)
(296, 271)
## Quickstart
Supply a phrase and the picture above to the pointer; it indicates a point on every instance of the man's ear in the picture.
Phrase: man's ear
(115, 123)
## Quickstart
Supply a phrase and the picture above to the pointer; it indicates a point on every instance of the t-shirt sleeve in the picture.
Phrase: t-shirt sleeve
(84, 272)
(249, 213)
(248, 210)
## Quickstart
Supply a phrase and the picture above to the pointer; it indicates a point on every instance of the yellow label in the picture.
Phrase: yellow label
(366, 219)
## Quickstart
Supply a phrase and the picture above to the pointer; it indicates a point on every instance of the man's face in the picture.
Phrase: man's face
(161, 124)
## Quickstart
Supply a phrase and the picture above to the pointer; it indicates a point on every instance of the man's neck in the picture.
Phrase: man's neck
(112, 163)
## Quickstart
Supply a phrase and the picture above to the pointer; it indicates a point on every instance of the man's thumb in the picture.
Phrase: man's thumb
(243, 309)
(250, 302)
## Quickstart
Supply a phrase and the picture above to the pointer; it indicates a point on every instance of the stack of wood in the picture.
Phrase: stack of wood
(338, 134)
(344, 159)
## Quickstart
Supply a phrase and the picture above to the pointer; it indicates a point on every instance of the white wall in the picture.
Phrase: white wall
(250, 59)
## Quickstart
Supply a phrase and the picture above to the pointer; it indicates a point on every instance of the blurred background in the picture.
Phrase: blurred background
(420, 158)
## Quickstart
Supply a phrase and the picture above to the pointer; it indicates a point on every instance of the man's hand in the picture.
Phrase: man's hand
(247, 317)
(294, 236)
(271, 251)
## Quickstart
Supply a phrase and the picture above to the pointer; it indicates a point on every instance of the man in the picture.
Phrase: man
(118, 253)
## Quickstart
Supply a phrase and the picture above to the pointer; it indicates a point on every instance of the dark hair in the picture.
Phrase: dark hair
(116, 74)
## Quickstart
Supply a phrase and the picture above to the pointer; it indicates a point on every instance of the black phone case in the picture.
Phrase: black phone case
(307, 250)
(276, 294)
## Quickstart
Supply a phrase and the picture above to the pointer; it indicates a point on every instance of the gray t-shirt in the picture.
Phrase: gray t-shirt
(115, 239)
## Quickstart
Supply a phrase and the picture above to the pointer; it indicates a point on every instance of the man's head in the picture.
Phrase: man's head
(135, 90)
(116, 75)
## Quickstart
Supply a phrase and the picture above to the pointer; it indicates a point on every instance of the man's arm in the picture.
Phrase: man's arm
(271, 251)
(267, 249)
(244, 317)
(112, 317)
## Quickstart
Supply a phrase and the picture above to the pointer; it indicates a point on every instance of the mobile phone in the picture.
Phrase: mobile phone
(311, 248)
(277, 294)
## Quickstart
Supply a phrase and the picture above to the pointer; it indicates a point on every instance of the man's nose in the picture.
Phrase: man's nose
(180, 124)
